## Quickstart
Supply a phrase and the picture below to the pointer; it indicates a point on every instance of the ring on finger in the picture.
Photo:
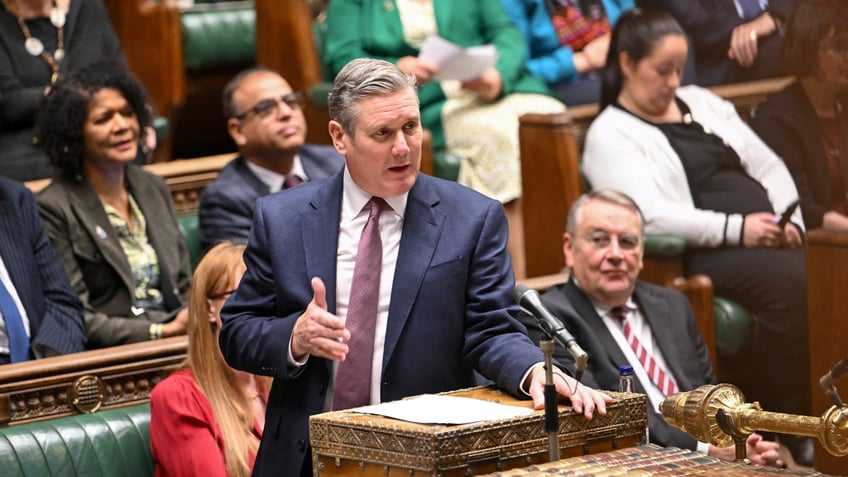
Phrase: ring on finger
(752, 35)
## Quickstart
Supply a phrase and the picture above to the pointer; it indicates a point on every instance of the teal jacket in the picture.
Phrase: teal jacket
(372, 28)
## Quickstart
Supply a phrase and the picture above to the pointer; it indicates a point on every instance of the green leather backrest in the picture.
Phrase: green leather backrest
(222, 34)
(188, 226)
(112, 443)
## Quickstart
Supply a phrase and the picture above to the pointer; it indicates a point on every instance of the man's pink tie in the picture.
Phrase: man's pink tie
(353, 376)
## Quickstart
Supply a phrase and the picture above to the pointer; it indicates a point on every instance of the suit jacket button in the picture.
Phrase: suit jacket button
(301, 445)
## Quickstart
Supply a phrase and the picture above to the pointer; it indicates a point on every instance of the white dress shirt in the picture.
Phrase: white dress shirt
(274, 179)
(642, 329)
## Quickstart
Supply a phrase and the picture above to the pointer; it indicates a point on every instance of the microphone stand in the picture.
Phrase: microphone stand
(551, 408)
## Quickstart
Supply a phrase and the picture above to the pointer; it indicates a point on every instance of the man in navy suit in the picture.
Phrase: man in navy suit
(33, 275)
(265, 119)
(732, 40)
(445, 307)
(603, 247)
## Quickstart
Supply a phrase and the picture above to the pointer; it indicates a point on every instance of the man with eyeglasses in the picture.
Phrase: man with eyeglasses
(620, 320)
(265, 119)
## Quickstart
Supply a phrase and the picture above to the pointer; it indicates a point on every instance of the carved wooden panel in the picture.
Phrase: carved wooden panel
(86, 382)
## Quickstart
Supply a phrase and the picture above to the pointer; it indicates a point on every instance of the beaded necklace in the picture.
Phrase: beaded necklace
(35, 47)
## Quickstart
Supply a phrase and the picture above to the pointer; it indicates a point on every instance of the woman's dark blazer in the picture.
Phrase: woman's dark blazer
(787, 122)
(99, 271)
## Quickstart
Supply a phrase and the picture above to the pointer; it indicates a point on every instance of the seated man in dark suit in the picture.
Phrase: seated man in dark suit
(40, 315)
(377, 283)
(732, 40)
(265, 119)
(607, 310)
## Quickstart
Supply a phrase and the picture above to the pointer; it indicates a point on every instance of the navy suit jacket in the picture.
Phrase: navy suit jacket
(226, 205)
(452, 308)
(54, 310)
(709, 24)
(672, 323)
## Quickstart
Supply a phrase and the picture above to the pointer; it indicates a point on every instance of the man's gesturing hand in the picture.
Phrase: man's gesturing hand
(318, 332)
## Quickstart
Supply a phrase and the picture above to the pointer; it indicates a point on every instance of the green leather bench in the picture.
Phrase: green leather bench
(218, 34)
(111, 443)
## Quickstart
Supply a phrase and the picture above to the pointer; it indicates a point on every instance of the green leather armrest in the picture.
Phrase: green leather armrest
(188, 227)
(664, 245)
(218, 34)
(111, 443)
(318, 93)
(162, 127)
(735, 326)
(445, 165)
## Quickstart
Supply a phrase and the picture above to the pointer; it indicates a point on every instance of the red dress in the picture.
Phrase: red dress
(184, 437)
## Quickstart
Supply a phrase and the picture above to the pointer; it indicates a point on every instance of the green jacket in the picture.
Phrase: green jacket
(372, 28)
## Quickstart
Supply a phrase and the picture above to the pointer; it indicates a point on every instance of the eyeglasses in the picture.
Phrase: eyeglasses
(265, 107)
(223, 294)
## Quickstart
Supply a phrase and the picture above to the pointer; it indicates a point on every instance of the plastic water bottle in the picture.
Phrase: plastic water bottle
(625, 379)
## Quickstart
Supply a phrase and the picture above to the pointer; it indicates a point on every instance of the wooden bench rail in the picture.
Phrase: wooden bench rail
(83, 382)
(549, 158)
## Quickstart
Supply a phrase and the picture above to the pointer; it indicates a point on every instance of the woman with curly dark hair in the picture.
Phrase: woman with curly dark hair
(111, 222)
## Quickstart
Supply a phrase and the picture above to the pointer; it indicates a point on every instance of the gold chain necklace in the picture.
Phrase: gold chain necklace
(35, 47)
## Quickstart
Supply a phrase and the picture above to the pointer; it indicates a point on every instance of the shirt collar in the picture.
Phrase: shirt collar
(274, 179)
(354, 199)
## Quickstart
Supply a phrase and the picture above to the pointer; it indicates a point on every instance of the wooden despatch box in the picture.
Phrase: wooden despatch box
(347, 443)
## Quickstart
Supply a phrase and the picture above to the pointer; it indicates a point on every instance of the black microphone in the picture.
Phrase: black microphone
(528, 299)
(827, 382)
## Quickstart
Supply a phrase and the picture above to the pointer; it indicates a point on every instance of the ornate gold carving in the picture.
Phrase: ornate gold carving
(719, 415)
(87, 393)
(81, 395)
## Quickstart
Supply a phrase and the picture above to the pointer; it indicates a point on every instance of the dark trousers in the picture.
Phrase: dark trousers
(771, 284)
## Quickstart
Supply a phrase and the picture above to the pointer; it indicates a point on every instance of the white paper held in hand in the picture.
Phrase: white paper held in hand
(455, 62)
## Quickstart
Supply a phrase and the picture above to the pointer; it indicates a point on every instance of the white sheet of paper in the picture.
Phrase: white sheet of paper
(439, 409)
(455, 62)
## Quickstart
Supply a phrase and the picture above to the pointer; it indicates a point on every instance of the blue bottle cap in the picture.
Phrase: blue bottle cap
(625, 370)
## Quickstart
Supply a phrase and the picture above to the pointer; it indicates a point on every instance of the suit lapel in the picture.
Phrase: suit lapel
(656, 313)
(320, 235)
(422, 226)
(92, 216)
(586, 309)
(11, 244)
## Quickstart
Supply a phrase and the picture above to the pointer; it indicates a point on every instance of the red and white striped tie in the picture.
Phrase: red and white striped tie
(663, 381)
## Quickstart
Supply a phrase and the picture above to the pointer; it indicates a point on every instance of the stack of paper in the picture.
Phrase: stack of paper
(455, 62)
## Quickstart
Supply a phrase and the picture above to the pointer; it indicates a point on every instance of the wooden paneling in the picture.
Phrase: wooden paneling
(827, 302)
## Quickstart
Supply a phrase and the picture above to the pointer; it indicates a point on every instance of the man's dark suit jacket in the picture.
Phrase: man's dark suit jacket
(709, 24)
(673, 325)
(787, 122)
(54, 310)
(226, 206)
(94, 260)
(452, 308)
